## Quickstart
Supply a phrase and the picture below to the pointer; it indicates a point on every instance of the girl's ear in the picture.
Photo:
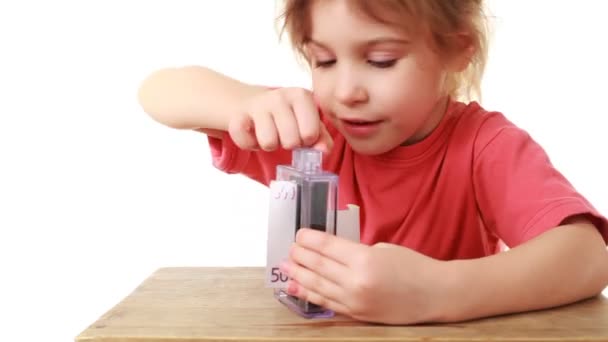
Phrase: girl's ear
(463, 50)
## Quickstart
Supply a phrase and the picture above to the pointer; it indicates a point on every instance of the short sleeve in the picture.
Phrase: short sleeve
(226, 156)
(257, 165)
(520, 193)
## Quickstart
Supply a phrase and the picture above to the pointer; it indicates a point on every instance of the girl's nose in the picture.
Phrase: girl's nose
(348, 90)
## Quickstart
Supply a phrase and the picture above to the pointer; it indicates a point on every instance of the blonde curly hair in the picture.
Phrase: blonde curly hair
(442, 19)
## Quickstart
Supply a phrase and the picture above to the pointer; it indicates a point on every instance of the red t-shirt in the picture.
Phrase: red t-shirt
(477, 179)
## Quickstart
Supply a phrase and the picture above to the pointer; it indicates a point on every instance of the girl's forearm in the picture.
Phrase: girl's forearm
(193, 97)
(561, 266)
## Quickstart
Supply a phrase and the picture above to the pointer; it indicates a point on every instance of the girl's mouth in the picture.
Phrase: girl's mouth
(360, 128)
(359, 122)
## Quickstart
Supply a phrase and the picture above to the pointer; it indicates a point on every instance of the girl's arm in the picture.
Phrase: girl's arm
(193, 97)
(256, 117)
(563, 265)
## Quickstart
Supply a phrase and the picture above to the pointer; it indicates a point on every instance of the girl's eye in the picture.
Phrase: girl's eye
(325, 63)
(382, 64)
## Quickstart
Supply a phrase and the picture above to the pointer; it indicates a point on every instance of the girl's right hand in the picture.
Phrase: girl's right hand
(284, 117)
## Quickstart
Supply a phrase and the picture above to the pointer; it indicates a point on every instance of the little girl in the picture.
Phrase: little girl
(441, 182)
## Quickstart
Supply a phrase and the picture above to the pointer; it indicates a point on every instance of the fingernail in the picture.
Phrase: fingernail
(292, 288)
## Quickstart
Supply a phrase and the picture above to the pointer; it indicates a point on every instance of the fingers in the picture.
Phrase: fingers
(287, 126)
(312, 131)
(312, 287)
(325, 142)
(300, 291)
(330, 246)
(325, 267)
(242, 132)
(286, 118)
(311, 280)
(266, 132)
(307, 116)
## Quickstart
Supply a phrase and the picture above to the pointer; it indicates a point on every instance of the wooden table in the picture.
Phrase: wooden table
(232, 304)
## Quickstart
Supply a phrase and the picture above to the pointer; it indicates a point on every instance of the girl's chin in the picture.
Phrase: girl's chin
(369, 147)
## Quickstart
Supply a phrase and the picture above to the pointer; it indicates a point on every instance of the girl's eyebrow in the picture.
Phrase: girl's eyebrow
(367, 43)
(318, 44)
(386, 40)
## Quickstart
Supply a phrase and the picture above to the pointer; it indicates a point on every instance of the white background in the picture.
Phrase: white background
(95, 196)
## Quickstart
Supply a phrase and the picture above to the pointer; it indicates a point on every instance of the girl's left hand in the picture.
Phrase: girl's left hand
(383, 283)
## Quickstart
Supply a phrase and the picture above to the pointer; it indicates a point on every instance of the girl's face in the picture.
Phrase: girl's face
(378, 85)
